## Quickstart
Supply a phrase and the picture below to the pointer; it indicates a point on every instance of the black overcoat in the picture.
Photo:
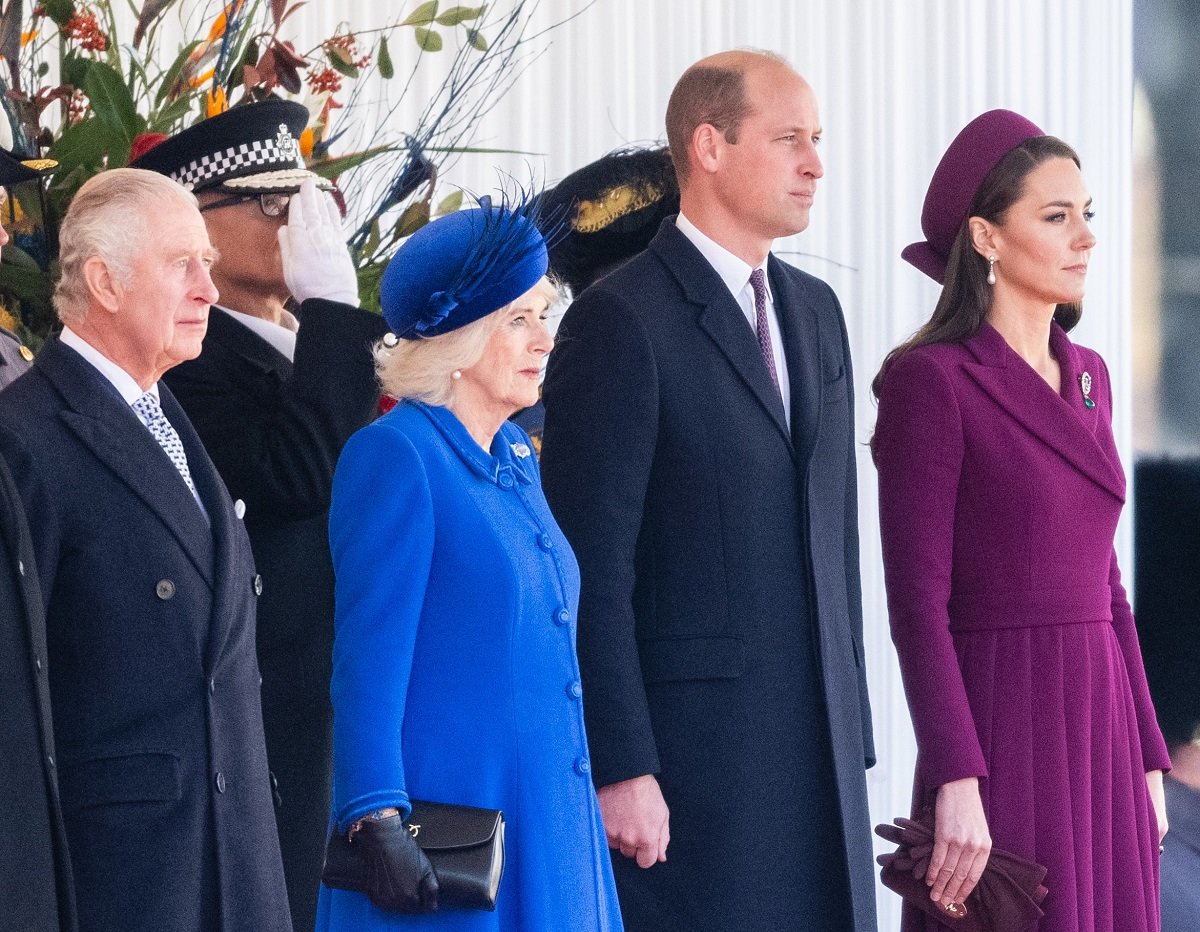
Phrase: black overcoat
(720, 625)
(35, 883)
(154, 683)
(274, 429)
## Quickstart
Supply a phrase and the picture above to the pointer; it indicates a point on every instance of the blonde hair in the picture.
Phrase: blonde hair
(107, 219)
(422, 369)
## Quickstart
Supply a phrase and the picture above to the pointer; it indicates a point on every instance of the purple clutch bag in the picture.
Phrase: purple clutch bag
(1007, 898)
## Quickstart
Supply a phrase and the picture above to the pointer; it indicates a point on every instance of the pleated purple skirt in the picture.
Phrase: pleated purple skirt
(1066, 787)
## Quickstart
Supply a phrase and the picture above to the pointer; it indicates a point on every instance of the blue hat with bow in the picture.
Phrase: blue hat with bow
(460, 268)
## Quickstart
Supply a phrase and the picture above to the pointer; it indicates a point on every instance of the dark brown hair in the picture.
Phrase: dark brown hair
(966, 296)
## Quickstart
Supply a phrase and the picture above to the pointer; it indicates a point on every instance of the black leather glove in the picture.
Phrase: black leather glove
(399, 876)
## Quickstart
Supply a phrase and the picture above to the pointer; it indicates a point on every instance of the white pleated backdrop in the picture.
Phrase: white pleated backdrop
(896, 79)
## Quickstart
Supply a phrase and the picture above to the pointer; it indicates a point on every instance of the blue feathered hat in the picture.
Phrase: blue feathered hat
(460, 268)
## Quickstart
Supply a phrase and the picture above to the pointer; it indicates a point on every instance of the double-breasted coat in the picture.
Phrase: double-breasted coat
(999, 501)
(154, 683)
(35, 884)
(274, 428)
(720, 627)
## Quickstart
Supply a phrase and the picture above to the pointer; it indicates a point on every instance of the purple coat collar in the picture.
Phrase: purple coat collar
(1062, 421)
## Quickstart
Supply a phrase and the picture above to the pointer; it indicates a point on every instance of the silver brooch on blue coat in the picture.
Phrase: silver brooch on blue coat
(1085, 383)
(521, 450)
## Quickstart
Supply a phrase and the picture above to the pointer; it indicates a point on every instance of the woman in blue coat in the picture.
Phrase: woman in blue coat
(455, 678)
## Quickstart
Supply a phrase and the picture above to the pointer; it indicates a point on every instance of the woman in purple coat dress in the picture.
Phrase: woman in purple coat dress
(1000, 490)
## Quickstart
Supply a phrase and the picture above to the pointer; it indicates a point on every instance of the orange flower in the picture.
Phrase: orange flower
(306, 142)
(27, 37)
(222, 21)
(215, 102)
(200, 80)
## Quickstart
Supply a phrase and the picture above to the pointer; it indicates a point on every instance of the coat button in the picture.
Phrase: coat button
(545, 541)
(575, 690)
(239, 509)
(165, 589)
(220, 782)
(212, 685)
(50, 760)
(21, 567)
(561, 616)
(505, 481)
(582, 767)
(37, 662)
(257, 584)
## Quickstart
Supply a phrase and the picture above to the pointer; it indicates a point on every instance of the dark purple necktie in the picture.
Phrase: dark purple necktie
(759, 284)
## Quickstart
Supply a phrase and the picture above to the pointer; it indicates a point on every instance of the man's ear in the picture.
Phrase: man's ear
(105, 290)
(707, 143)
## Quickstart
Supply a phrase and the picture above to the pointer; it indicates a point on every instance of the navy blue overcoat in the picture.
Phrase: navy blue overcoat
(154, 684)
(720, 625)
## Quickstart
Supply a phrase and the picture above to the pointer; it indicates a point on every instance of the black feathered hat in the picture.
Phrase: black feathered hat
(609, 210)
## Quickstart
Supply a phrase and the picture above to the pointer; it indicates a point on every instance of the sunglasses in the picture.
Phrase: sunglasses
(272, 204)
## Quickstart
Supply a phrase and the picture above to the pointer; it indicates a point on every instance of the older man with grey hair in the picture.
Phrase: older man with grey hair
(147, 580)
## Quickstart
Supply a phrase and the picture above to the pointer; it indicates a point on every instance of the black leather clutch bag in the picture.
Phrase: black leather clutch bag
(464, 844)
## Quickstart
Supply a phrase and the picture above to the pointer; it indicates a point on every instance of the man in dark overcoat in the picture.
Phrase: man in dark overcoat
(275, 396)
(147, 582)
(35, 884)
(699, 455)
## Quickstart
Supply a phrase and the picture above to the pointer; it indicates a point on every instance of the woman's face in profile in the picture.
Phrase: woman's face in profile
(1044, 243)
(506, 378)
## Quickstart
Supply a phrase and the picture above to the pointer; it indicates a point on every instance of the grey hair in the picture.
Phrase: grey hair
(107, 220)
(423, 369)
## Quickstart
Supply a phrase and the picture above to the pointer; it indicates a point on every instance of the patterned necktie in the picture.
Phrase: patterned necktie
(759, 284)
(152, 415)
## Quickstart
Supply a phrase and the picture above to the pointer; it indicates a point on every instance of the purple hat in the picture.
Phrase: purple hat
(975, 151)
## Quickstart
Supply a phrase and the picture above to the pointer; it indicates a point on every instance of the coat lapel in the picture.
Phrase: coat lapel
(225, 525)
(241, 340)
(1064, 424)
(110, 429)
(720, 318)
(801, 331)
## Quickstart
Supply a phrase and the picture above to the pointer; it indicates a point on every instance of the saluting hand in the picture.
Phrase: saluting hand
(316, 260)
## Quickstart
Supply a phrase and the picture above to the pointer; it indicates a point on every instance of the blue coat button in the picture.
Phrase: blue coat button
(561, 616)
(582, 766)
(546, 542)
(165, 589)
(575, 690)
(505, 480)
(220, 782)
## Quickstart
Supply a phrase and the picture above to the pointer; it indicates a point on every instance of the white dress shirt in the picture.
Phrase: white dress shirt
(280, 336)
(736, 275)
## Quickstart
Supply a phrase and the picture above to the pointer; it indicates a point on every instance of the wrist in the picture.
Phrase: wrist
(387, 812)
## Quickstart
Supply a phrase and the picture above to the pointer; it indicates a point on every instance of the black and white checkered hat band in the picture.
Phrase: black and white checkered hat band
(262, 155)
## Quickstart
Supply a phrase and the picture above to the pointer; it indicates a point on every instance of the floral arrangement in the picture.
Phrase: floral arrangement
(82, 79)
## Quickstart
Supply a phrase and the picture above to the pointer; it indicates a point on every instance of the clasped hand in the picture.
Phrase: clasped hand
(399, 876)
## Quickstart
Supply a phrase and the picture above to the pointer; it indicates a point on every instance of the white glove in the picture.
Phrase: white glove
(316, 260)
